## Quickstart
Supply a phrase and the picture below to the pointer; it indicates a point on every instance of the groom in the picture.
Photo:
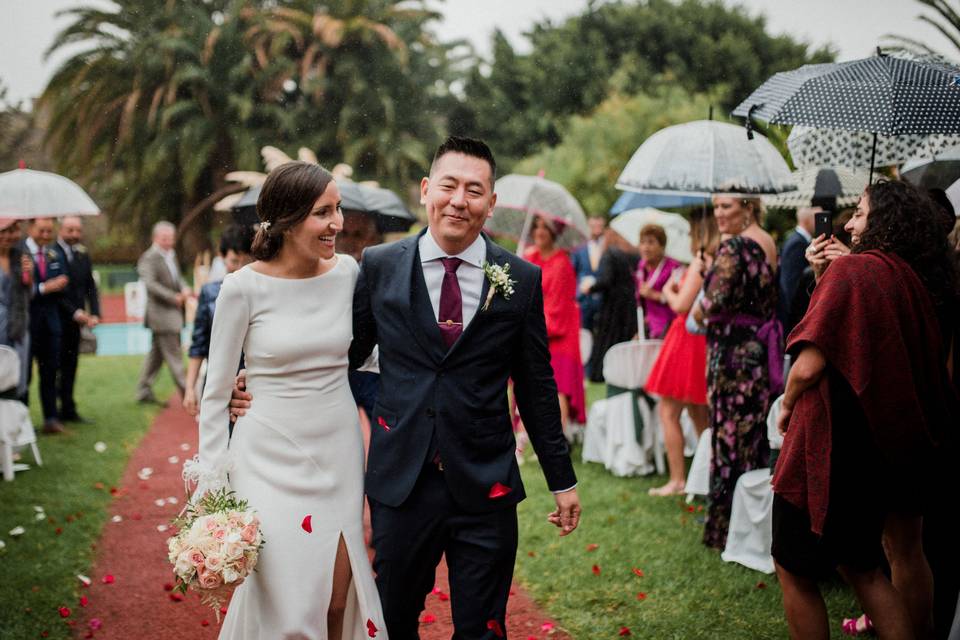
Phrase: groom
(442, 476)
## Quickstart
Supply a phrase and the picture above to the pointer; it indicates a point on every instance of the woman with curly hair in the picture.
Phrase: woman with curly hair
(868, 416)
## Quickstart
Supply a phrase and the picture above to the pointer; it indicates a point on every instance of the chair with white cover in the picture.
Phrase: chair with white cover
(16, 429)
(698, 477)
(751, 518)
(622, 429)
(135, 299)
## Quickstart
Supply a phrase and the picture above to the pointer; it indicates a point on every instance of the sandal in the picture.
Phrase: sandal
(669, 489)
(857, 626)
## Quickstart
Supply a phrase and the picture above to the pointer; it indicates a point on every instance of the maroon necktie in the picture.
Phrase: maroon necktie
(450, 318)
(41, 264)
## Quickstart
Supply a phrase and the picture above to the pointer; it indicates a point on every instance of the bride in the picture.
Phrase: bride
(297, 454)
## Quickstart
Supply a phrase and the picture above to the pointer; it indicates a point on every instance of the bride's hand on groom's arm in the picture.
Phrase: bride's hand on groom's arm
(567, 514)
(240, 399)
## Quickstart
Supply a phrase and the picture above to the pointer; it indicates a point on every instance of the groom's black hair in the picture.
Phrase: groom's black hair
(468, 147)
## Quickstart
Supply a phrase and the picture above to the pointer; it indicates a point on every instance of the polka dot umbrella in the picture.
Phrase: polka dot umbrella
(883, 95)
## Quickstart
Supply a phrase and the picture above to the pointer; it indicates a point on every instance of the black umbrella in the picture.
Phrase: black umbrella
(390, 212)
(882, 95)
(938, 172)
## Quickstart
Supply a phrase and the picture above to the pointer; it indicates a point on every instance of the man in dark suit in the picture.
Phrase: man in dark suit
(586, 264)
(442, 476)
(793, 261)
(50, 280)
(80, 308)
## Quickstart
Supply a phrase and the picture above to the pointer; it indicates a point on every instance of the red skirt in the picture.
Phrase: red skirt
(680, 372)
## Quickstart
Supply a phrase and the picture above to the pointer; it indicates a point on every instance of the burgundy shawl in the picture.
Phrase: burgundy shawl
(875, 323)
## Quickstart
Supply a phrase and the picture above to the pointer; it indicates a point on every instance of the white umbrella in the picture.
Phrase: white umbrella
(520, 198)
(852, 184)
(706, 157)
(25, 193)
(629, 223)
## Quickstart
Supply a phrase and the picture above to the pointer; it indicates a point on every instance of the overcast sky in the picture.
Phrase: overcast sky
(854, 27)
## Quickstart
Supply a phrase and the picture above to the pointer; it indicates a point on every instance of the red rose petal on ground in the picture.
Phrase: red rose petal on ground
(58, 531)
(307, 525)
(383, 423)
(113, 491)
(428, 618)
(532, 554)
(641, 596)
(546, 626)
(371, 628)
(95, 624)
(761, 585)
(596, 569)
(176, 597)
(690, 509)
(494, 626)
(204, 623)
(64, 612)
(442, 597)
(498, 491)
(638, 572)
(44, 634)
(109, 579)
(592, 547)
(168, 586)
(223, 610)
(624, 631)
(88, 634)
(98, 485)
(83, 601)
(136, 516)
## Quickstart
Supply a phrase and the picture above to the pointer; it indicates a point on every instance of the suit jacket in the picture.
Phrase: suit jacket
(162, 315)
(455, 398)
(583, 268)
(82, 290)
(792, 264)
(45, 308)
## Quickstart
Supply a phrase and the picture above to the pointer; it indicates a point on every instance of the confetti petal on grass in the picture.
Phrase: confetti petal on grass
(3, 545)
(428, 618)
(40, 516)
(596, 569)
(100, 447)
(638, 572)
(592, 547)
(624, 631)
(38, 508)
(17, 531)
(64, 612)
(84, 580)
(641, 596)
(761, 585)
(84, 601)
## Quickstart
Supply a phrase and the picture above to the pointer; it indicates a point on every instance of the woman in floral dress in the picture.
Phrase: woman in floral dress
(739, 306)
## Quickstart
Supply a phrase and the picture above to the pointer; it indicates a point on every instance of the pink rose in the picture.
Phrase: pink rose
(213, 563)
(249, 533)
(210, 524)
(208, 579)
(219, 534)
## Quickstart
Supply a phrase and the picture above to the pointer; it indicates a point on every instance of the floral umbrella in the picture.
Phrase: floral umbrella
(825, 147)
(520, 198)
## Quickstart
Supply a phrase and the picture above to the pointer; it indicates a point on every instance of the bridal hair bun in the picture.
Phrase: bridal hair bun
(286, 199)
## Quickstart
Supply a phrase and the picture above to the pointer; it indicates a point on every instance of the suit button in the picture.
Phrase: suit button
(430, 412)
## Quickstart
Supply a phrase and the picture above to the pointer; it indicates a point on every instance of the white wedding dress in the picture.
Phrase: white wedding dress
(297, 452)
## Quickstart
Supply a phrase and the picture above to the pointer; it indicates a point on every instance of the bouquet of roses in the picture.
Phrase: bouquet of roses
(216, 547)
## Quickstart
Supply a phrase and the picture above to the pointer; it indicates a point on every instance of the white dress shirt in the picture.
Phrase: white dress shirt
(170, 258)
(804, 233)
(469, 274)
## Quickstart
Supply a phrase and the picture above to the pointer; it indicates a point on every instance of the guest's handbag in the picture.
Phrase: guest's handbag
(692, 326)
(88, 340)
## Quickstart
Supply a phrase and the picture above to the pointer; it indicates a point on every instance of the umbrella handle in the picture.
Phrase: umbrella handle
(749, 123)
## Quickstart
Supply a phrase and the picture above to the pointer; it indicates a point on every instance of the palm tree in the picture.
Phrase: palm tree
(946, 20)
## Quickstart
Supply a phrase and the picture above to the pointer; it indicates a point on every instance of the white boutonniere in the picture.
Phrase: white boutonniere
(79, 248)
(500, 282)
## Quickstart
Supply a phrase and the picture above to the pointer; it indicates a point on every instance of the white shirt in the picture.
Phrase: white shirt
(469, 274)
(170, 257)
(67, 249)
(804, 234)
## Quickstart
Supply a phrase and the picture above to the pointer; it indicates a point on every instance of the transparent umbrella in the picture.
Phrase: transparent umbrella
(629, 223)
(520, 198)
(852, 184)
(25, 193)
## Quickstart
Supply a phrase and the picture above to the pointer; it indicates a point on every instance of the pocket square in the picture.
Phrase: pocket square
(498, 491)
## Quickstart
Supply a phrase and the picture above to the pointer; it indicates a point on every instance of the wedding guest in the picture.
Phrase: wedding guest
(869, 387)
(562, 317)
(679, 375)
(586, 264)
(360, 230)
(167, 293)
(793, 260)
(16, 280)
(653, 273)
(80, 308)
(744, 353)
(616, 320)
(235, 244)
(46, 331)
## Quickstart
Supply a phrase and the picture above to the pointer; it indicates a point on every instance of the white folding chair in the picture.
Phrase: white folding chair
(750, 536)
(611, 436)
(698, 478)
(16, 429)
(135, 299)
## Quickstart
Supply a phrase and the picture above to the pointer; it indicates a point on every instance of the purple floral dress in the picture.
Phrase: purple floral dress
(740, 295)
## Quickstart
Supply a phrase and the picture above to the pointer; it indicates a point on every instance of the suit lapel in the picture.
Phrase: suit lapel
(422, 322)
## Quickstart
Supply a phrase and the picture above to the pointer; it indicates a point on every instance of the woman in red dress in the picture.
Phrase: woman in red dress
(562, 316)
(679, 376)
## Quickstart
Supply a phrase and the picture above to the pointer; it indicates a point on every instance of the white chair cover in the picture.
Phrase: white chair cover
(16, 429)
(776, 440)
(135, 299)
(698, 478)
(586, 345)
(595, 435)
(690, 438)
(9, 368)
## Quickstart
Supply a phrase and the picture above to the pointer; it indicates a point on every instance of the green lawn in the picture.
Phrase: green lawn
(39, 568)
(689, 592)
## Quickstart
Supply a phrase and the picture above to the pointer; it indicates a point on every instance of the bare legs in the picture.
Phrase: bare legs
(342, 575)
(669, 411)
(903, 545)
(804, 607)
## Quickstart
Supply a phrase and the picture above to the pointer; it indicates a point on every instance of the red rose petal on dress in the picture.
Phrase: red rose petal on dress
(494, 626)
(383, 423)
(83, 601)
(64, 612)
(596, 569)
(371, 628)
(498, 491)
(109, 579)
(638, 572)
(592, 547)
(641, 596)
(428, 618)
(307, 525)
(624, 631)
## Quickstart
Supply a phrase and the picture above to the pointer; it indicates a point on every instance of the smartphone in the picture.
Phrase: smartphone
(823, 224)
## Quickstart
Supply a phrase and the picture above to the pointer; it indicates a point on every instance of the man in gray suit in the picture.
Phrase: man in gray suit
(166, 295)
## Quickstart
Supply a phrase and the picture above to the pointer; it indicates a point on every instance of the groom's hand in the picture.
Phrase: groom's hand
(567, 514)
(240, 399)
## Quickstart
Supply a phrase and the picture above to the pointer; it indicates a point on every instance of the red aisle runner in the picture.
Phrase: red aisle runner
(134, 603)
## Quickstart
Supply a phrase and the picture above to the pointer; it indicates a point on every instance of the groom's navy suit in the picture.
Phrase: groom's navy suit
(442, 474)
